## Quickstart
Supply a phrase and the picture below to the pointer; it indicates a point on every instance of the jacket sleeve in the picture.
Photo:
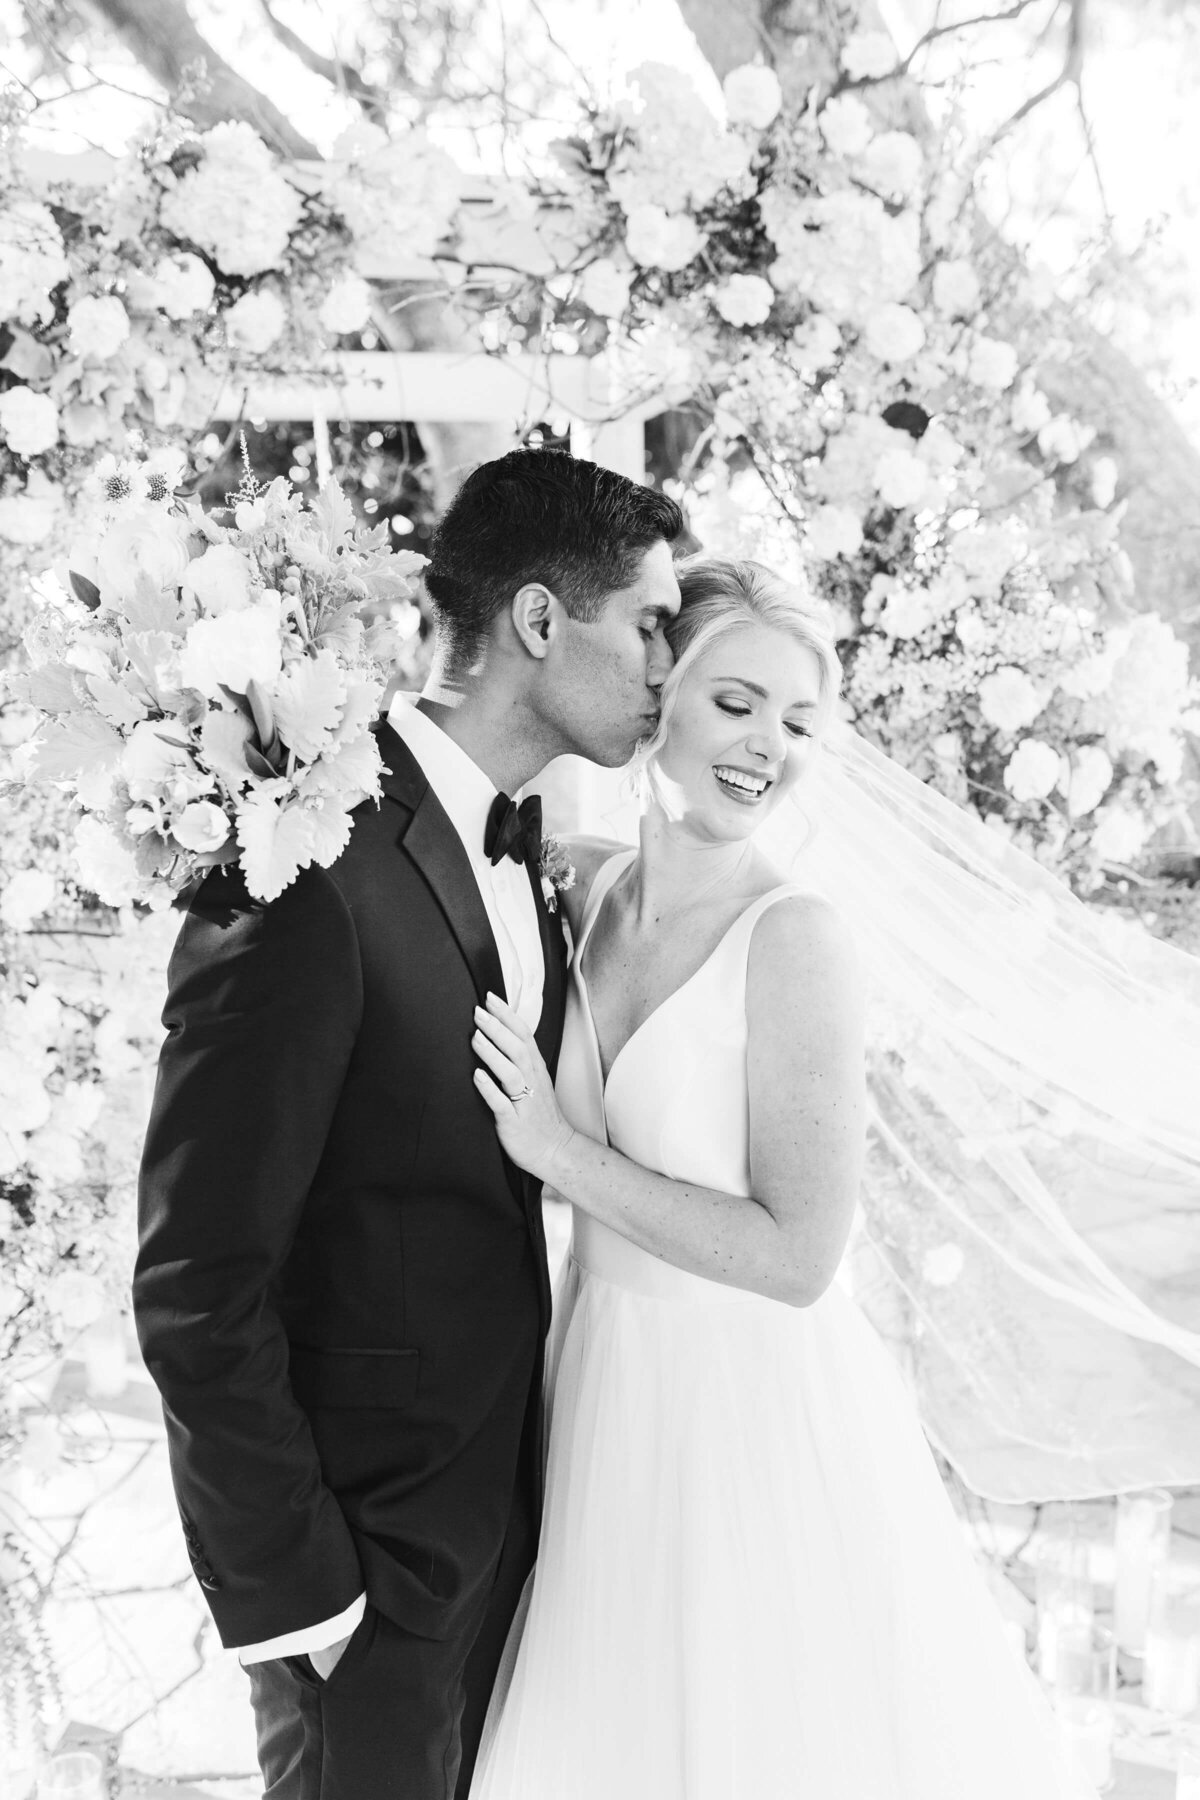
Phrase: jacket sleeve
(264, 1006)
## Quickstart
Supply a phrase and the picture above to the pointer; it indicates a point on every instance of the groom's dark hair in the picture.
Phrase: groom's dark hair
(546, 516)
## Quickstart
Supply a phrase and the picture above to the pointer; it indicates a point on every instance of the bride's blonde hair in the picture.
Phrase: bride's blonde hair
(720, 595)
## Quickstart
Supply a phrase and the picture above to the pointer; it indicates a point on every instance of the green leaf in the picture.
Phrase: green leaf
(84, 590)
(82, 742)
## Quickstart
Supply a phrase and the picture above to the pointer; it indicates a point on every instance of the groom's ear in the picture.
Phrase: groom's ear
(534, 617)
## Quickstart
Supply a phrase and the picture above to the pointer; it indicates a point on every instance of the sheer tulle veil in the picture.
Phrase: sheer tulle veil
(1029, 1234)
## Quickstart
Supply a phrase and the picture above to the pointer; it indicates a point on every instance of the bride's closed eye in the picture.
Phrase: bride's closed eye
(734, 710)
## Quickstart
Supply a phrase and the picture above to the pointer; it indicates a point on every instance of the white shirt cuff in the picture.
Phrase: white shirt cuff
(312, 1637)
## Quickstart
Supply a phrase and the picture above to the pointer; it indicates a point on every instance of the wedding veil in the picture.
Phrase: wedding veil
(1029, 1232)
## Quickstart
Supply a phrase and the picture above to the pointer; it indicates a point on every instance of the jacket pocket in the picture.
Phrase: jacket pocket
(353, 1378)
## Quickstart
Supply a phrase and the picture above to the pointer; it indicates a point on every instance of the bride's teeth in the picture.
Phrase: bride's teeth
(749, 784)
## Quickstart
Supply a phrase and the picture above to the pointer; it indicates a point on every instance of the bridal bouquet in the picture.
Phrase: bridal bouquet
(208, 689)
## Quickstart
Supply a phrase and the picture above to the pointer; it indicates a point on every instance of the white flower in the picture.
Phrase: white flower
(1061, 440)
(1120, 834)
(183, 285)
(220, 580)
(1030, 410)
(846, 125)
(658, 240)
(906, 612)
(1033, 770)
(1090, 779)
(901, 477)
(942, 1265)
(236, 204)
(255, 321)
(1008, 699)
(1104, 482)
(106, 868)
(892, 165)
(842, 250)
(744, 300)
(605, 286)
(98, 326)
(201, 827)
(676, 154)
(233, 650)
(30, 517)
(985, 554)
(149, 763)
(145, 544)
(955, 289)
(817, 342)
(833, 531)
(392, 192)
(76, 1297)
(28, 421)
(346, 307)
(1143, 704)
(32, 262)
(868, 55)
(894, 333)
(25, 897)
(939, 448)
(753, 95)
(992, 364)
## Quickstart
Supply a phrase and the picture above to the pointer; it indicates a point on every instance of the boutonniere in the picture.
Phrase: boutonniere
(556, 870)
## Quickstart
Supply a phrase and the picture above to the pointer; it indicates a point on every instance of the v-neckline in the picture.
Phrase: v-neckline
(605, 1080)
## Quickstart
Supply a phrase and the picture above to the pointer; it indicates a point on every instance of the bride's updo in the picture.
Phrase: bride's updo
(719, 596)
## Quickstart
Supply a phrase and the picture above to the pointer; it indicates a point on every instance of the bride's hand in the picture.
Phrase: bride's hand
(530, 1126)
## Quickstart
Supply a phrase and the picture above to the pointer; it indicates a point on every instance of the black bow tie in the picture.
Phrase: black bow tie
(514, 830)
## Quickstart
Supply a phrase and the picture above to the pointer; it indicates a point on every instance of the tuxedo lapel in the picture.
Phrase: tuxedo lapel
(435, 847)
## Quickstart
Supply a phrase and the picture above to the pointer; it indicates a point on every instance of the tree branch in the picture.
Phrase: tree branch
(342, 75)
(164, 39)
(1072, 69)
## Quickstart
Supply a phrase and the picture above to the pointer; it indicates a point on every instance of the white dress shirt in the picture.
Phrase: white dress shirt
(466, 796)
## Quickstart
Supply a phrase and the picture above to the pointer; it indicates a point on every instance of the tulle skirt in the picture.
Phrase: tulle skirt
(751, 1582)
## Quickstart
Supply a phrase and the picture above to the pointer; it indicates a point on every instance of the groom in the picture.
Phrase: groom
(341, 1289)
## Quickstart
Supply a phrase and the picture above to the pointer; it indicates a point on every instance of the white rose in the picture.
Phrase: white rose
(1008, 699)
(906, 612)
(868, 55)
(32, 262)
(201, 826)
(1030, 410)
(28, 421)
(219, 580)
(184, 285)
(956, 289)
(817, 342)
(892, 165)
(346, 307)
(255, 321)
(31, 517)
(894, 333)
(233, 650)
(148, 543)
(939, 448)
(744, 300)
(25, 897)
(106, 868)
(237, 203)
(753, 95)
(1033, 769)
(1119, 835)
(1104, 482)
(942, 1265)
(659, 240)
(846, 125)
(1061, 440)
(149, 763)
(1090, 779)
(992, 364)
(605, 286)
(98, 326)
(833, 531)
(901, 478)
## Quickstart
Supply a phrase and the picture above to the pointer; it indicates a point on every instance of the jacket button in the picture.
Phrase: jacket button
(211, 1582)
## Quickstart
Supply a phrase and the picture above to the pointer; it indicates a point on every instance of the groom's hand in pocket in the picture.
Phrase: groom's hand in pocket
(325, 1661)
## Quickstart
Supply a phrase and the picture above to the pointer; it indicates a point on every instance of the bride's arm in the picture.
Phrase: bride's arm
(807, 1124)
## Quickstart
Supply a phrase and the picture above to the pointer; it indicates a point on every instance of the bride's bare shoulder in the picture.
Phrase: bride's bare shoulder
(587, 855)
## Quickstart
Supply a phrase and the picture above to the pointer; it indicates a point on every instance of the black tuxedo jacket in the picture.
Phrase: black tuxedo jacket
(341, 1289)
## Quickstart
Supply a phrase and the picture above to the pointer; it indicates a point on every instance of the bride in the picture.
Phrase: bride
(751, 1581)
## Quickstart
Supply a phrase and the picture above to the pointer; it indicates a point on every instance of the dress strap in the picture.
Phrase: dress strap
(604, 878)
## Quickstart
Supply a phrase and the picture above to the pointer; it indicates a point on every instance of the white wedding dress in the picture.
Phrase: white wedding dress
(751, 1583)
